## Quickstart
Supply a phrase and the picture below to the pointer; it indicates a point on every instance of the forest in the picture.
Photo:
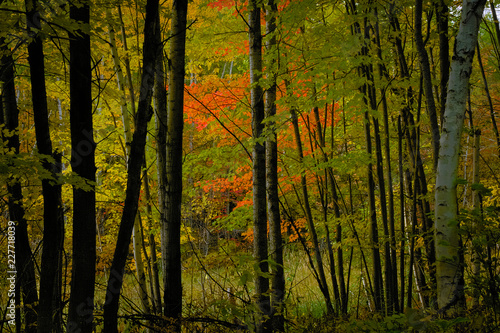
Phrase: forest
(249, 166)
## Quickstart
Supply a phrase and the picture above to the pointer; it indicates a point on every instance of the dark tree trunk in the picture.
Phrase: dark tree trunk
(377, 265)
(49, 312)
(319, 137)
(152, 262)
(135, 162)
(389, 227)
(426, 73)
(259, 169)
(81, 302)
(344, 290)
(339, 294)
(490, 101)
(368, 91)
(171, 230)
(320, 272)
(410, 133)
(9, 114)
(160, 106)
(402, 212)
(369, 94)
(383, 207)
(442, 13)
(275, 240)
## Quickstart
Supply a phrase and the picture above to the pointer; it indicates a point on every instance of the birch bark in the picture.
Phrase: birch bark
(449, 279)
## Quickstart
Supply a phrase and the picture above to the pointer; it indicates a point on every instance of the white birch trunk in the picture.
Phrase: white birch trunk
(449, 285)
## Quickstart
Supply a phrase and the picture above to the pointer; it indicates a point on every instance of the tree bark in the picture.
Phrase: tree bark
(374, 240)
(365, 71)
(9, 114)
(329, 179)
(81, 303)
(171, 230)
(160, 108)
(53, 231)
(369, 96)
(477, 249)
(490, 102)
(127, 130)
(389, 224)
(449, 284)
(402, 212)
(426, 72)
(442, 13)
(492, 114)
(153, 260)
(413, 148)
(273, 208)
(259, 169)
(308, 213)
(135, 162)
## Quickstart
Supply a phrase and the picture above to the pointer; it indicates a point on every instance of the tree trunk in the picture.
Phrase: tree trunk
(442, 14)
(136, 233)
(135, 162)
(9, 113)
(449, 285)
(497, 32)
(171, 230)
(389, 227)
(81, 304)
(137, 242)
(477, 249)
(413, 147)
(377, 266)
(273, 208)
(53, 231)
(259, 170)
(426, 73)
(127, 62)
(121, 85)
(370, 99)
(402, 211)
(153, 260)
(367, 90)
(490, 102)
(339, 293)
(160, 107)
(310, 222)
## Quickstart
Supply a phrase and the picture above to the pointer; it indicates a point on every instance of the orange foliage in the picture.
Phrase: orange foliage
(287, 231)
(215, 100)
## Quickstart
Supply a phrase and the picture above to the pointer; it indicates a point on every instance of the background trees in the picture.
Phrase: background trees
(351, 103)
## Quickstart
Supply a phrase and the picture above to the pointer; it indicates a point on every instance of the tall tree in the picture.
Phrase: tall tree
(391, 272)
(81, 302)
(160, 108)
(426, 73)
(450, 287)
(136, 234)
(319, 272)
(409, 130)
(259, 167)
(9, 115)
(273, 208)
(171, 230)
(53, 231)
(135, 162)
